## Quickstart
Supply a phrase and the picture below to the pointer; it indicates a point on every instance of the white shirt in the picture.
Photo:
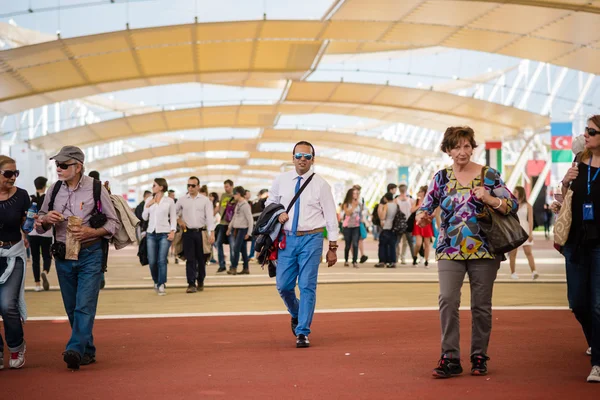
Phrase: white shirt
(317, 207)
(161, 217)
(196, 212)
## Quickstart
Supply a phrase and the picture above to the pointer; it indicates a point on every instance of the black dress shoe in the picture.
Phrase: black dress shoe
(294, 325)
(363, 259)
(221, 270)
(73, 359)
(88, 359)
(302, 341)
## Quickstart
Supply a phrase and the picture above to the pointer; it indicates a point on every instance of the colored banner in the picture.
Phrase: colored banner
(493, 155)
(561, 136)
(403, 175)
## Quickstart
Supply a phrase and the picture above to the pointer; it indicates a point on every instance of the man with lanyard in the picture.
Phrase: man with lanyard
(195, 214)
(303, 231)
(79, 279)
(221, 229)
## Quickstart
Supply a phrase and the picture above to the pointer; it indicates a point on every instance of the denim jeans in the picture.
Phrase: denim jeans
(158, 251)
(40, 245)
(583, 292)
(300, 261)
(387, 246)
(220, 233)
(252, 244)
(238, 243)
(351, 236)
(80, 285)
(9, 306)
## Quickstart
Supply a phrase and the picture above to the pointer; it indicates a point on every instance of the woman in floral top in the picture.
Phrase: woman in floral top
(463, 248)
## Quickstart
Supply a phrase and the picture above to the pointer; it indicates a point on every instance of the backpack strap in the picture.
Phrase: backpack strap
(55, 191)
(97, 192)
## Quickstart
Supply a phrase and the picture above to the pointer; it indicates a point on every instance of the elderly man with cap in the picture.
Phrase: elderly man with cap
(79, 279)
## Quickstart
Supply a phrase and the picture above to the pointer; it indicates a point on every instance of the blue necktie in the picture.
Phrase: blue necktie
(296, 208)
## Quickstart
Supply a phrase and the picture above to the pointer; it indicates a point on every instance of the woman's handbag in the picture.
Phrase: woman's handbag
(562, 225)
(504, 232)
(363, 231)
(206, 246)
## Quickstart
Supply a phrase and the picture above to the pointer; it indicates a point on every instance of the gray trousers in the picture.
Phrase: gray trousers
(405, 240)
(482, 274)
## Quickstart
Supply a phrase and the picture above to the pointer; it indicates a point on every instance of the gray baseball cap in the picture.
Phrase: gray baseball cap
(69, 153)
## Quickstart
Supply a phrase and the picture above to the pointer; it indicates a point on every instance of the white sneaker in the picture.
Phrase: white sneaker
(595, 374)
(161, 290)
(38, 289)
(535, 275)
(17, 360)
(514, 276)
(156, 288)
(589, 351)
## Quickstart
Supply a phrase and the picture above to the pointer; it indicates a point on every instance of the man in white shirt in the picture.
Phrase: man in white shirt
(195, 214)
(405, 203)
(303, 228)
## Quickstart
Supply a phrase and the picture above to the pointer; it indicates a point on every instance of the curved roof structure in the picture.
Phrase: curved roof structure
(247, 52)
(426, 108)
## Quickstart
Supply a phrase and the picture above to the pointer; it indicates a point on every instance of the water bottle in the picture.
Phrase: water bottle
(28, 225)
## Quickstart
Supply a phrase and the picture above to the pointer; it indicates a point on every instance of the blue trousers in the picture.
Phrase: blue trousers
(80, 285)
(158, 251)
(583, 292)
(220, 234)
(238, 243)
(299, 261)
(9, 306)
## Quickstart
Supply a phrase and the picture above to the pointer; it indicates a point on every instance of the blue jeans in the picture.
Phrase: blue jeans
(351, 236)
(80, 285)
(583, 291)
(387, 246)
(300, 261)
(238, 243)
(251, 255)
(220, 233)
(158, 251)
(9, 306)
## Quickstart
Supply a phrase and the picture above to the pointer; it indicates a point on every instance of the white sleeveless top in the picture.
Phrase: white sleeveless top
(522, 214)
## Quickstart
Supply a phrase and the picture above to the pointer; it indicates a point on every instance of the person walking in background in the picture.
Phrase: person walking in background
(14, 203)
(227, 204)
(423, 234)
(40, 243)
(363, 227)
(162, 221)
(463, 247)
(547, 220)
(195, 215)
(387, 240)
(73, 196)
(298, 261)
(525, 214)
(239, 230)
(405, 204)
(214, 198)
(352, 215)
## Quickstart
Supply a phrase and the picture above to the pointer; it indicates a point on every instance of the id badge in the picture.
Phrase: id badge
(588, 212)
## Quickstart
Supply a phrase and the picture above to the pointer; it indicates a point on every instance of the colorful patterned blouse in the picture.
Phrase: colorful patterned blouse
(460, 237)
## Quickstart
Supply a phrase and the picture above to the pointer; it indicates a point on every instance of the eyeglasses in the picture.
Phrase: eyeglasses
(592, 132)
(306, 156)
(191, 185)
(63, 165)
(9, 174)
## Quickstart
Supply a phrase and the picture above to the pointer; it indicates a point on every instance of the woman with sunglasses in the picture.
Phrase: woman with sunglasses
(582, 250)
(162, 223)
(241, 227)
(14, 203)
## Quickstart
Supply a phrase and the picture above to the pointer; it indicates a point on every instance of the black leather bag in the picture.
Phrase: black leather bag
(503, 232)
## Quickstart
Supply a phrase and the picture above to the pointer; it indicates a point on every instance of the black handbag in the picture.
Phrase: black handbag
(503, 232)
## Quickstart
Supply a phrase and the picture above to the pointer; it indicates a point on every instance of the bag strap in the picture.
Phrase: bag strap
(97, 192)
(299, 193)
(482, 184)
(55, 191)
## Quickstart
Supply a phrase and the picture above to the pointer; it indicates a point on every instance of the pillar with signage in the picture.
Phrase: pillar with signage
(562, 155)
(493, 155)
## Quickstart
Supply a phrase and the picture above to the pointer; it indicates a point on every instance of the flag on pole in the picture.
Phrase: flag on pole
(493, 155)
(562, 140)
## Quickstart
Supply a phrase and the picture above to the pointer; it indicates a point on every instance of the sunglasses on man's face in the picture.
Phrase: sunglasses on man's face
(64, 165)
(592, 132)
(191, 185)
(9, 174)
(306, 156)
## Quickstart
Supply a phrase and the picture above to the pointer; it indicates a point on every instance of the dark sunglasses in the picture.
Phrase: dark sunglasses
(9, 174)
(592, 132)
(298, 156)
(191, 185)
(63, 165)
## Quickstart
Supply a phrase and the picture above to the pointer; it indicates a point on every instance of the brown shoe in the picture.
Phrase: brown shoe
(191, 289)
(245, 271)
(232, 271)
(200, 288)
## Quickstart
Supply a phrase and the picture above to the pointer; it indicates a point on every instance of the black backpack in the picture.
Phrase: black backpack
(375, 216)
(399, 224)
